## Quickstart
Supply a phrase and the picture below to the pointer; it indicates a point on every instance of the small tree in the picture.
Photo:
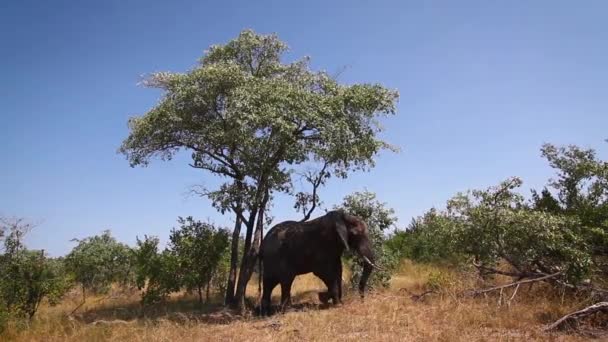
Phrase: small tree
(582, 193)
(156, 274)
(199, 248)
(27, 276)
(378, 218)
(97, 262)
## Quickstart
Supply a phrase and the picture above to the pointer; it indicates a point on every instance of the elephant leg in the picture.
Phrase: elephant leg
(339, 281)
(269, 284)
(332, 288)
(286, 291)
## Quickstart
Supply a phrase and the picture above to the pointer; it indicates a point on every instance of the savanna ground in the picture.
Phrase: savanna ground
(387, 315)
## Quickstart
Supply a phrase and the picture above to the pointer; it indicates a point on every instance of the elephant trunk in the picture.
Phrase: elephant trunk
(368, 264)
(367, 270)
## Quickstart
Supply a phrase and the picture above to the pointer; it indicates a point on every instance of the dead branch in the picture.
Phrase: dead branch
(513, 295)
(112, 322)
(497, 288)
(573, 317)
(316, 180)
(417, 297)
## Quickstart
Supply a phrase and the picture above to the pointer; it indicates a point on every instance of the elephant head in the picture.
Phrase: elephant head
(353, 234)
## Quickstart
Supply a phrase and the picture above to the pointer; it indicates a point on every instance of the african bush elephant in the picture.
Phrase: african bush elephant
(292, 248)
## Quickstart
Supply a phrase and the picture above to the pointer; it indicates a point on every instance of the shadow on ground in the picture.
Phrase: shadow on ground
(187, 310)
(179, 310)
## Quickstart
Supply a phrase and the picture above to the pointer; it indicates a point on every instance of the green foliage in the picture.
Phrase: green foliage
(378, 218)
(582, 192)
(27, 277)
(496, 224)
(243, 112)
(196, 257)
(562, 231)
(199, 247)
(98, 261)
(156, 274)
(429, 238)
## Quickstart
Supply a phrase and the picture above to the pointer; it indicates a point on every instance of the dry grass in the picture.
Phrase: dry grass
(388, 315)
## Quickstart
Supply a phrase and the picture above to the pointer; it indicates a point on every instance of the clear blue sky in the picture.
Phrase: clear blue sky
(482, 86)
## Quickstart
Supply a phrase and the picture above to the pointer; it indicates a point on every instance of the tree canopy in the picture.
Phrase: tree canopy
(251, 118)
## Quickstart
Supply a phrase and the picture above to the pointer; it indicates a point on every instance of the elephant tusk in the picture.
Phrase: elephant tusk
(372, 264)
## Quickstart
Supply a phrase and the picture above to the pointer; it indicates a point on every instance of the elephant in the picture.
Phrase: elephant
(292, 248)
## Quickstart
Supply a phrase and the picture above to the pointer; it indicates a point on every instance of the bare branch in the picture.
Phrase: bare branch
(316, 181)
(573, 317)
(517, 283)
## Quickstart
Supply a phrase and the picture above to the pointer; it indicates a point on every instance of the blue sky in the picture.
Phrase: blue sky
(482, 85)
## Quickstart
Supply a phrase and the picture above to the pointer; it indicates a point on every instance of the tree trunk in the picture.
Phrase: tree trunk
(84, 299)
(200, 295)
(207, 294)
(242, 284)
(250, 258)
(234, 256)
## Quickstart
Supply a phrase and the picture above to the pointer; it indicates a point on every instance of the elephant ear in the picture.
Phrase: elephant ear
(342, 232)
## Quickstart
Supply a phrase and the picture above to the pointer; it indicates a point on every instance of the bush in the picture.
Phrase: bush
(196, 259)
(199, 248)
(429, 238)
(156, 274)
(27, 277)
(98, 261)
(378, 218)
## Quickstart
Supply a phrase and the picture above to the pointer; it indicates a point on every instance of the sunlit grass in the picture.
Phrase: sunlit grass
(388, 315)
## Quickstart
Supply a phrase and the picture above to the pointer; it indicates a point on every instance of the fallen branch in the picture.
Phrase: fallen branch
(113, 322)
(573, 317)
(496, 288)
(416, 297)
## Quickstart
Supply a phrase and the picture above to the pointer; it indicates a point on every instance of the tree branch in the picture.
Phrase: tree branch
(316, 182)
(533, 280)
(575, 316)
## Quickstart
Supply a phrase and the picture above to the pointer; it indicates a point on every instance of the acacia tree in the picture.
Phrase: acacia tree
(251, 118)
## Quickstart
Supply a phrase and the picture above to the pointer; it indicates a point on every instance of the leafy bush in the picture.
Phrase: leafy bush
(378, 218)
(196, 258)
(27, 277)
(156, 274)
(495, 224)
(98, 261)
(429, 238)
(565, 232)
(199, 248)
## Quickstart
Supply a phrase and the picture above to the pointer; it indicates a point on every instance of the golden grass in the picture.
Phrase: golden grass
(389, 315)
